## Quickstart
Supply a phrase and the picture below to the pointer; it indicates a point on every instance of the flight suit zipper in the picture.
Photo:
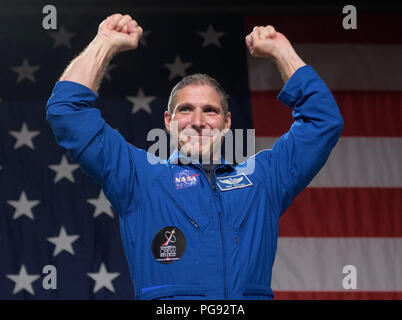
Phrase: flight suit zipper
(221, 233)
(223, 256)
(215, 194)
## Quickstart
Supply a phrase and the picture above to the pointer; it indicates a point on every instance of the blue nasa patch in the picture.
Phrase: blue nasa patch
(185, 179)
(233, 182)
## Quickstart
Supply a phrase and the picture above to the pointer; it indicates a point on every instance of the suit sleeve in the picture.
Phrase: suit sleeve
(102, 153)
(298, 155)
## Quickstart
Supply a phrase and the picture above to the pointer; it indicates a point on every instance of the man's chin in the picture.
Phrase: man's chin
(201, 154)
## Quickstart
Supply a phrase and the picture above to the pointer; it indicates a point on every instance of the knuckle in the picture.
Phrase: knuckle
(138, 30)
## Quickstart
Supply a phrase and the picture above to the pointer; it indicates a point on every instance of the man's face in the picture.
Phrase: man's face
(200, 121)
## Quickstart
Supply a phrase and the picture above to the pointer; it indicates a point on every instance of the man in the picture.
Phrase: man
(190, 233)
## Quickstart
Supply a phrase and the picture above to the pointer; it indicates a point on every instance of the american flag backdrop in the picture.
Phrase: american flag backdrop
(350, 214)
(53, 214)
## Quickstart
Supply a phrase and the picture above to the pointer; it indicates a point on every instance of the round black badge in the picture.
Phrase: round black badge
(168, 244)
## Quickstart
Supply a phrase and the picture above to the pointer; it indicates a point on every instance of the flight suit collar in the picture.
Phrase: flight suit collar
(178, 158)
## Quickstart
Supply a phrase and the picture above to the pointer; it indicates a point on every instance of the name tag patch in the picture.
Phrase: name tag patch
(233, 182)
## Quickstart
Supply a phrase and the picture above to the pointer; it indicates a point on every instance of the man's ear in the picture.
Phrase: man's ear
(228, 121)
(168, 119)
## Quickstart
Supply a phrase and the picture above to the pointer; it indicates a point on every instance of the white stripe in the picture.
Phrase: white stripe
(357, 162)
(341, 66)
(316, 264)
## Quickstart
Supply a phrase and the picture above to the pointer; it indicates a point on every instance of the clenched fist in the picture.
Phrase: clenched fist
(266, 42)
(121, 32)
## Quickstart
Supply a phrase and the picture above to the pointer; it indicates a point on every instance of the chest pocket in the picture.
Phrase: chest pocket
(190, 201)
(239, 196)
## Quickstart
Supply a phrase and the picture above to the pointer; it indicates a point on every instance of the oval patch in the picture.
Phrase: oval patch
(168, 244)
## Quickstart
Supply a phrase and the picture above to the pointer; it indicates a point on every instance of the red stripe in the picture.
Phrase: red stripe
(353, 295)
(365, 113)
(344, 212)
(371, 28)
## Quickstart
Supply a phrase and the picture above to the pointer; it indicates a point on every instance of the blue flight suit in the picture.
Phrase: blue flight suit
(182, 238)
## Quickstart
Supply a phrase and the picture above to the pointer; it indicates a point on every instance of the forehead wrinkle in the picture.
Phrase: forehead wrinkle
(184, 104)
(189, 104)
(195, 88)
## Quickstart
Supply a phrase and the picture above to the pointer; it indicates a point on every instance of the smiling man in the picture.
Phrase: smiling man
(192, 229)
(198, 106)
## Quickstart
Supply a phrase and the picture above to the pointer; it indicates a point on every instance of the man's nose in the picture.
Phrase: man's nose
(197, 120)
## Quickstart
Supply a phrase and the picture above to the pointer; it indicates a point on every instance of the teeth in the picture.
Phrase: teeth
(210, 134)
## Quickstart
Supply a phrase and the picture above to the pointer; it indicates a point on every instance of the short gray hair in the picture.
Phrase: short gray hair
(199, 79)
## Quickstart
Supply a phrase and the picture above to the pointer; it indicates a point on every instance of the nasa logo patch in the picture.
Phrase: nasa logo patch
(185, 179)
(168, 244)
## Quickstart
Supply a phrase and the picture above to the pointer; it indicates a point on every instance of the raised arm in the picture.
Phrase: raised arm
(77, 124)
(298, 155)
(116, 33)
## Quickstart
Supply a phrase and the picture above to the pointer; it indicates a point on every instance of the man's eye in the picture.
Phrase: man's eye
(210, 110)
